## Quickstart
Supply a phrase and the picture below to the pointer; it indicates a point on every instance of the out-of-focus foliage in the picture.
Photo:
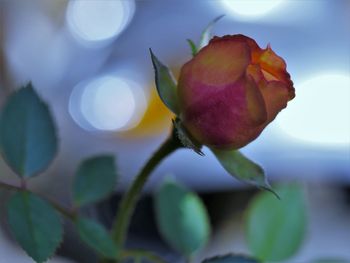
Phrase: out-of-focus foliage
(182, 218)
(231, 259)
(95, 179)
(275, 229)
(96, 237)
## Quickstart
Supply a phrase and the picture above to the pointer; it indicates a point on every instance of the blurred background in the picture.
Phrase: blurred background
(89, 60)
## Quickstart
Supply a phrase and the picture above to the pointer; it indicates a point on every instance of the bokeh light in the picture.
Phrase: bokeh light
(42, 44)
(320, 113)
(156, 120)
(250, 8)
(96, 21)
(107, 103)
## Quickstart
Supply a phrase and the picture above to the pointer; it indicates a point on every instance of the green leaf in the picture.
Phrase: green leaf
(95, 179)
(166, 85)
(96, 237)
(27, 133)
(275, 228)
(207, 33)
(193, 47)
(185, 138)
(243, 169)
(182, 218)
(35, 224)
(231, 258)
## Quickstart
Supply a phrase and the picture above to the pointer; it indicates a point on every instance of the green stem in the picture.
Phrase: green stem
(127, 205)
(66, 212)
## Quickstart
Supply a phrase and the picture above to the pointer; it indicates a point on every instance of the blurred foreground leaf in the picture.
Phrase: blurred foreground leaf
(166, 85)
(96, 237)
(231, 258)
(95, 179)
(35, 224)
(242, 168)
(27, 133)
(182, 218)
(275, 228)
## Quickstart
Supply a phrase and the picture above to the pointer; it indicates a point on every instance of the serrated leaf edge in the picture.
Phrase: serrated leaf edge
(60, 241)
(21, 173)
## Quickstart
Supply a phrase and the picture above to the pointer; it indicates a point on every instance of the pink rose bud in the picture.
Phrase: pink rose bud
(231, 90)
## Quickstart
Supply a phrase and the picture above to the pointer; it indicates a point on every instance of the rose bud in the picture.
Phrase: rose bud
(231, 90)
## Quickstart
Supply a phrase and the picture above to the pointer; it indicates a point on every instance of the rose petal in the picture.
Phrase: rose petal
(214, 67)
(229, 117)
(262, 77)
(276, 96)
(255, 72)
(221, 62)
(274, 65)
(271, 64)
(255, 102)
(253, 46)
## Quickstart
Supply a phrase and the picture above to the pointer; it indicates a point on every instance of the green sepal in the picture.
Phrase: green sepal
(185, 138)
(207, 33)
(243, 169)
(166, 85)
(193, 47)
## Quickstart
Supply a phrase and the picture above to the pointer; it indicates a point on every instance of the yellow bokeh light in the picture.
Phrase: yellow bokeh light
(156, 120)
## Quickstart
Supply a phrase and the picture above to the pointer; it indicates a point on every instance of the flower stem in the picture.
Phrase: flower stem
(127, 205)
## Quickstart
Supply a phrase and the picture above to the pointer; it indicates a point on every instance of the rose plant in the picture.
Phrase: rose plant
(225, 96)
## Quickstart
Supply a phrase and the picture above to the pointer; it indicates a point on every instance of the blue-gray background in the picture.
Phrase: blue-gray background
(64, 46)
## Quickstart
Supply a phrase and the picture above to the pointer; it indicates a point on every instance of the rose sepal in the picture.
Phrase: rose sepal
(207, 33)
(205, 36)
(185, 138)
(166, 84)
(243, 169)
(193, 46)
